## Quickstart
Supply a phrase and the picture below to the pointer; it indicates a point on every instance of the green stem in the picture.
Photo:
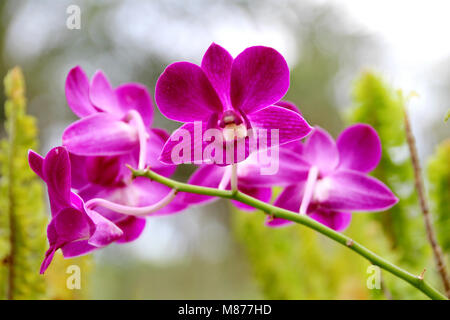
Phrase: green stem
(416, 281)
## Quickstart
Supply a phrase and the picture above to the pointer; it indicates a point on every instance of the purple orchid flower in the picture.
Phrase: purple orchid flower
(235, 97)
(74, 229)
(115, 130)
(336, 181)
(113, 121)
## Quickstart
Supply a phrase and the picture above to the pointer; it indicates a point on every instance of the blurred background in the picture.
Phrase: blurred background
(213, 251)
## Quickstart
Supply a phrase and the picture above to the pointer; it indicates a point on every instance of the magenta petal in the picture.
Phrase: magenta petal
(184, 145)
(105, 171)
(262, 170)
(359, 148)
(150, 192)
(276, 222)
(259, 78)
(288, 105)
(100, 135)
(216, 64)
(71, 225)
(134, 96)
(155, 143)
(207, 176)
(78, 248)
(132, 228)
(36, 162)
(320, 150)
(335, 220)
(290, 125)
(184, 93)
(78, 170)
(105, 230)
(77, 93)
(353, 191)
(289, 199)
(263, 194)
(47, 260)
(102, 94)
(56, 169)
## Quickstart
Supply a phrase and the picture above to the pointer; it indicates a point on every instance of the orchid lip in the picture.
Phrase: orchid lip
(233, 125)
(230, 117)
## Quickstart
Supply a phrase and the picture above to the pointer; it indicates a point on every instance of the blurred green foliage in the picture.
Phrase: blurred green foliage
(295, 262)
(439, 182)
(380, 106)
(22, 212)
(22, 218)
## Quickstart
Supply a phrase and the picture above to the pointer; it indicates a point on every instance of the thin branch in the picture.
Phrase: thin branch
(301, 219)
(420, 188)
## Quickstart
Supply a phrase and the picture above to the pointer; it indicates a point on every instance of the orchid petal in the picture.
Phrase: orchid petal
(335, 220)
(134, 96)
(151, 192)
(77, 248)
(259, 78)
(288, 105)
(289, 199)
(71, 225)
(105, 232)
(132, 228)
(47, 260)
(36, 162)
(290, 125)
(359, 148)
(185, 136)
(265, 170)
(56, 170)
(184, 93)
(104, 171)
(353, 191)
(216, 64)
(100, 135)
(155, 144)
(320, 150)
(77, 93)
(78, 171)
(263, 194)
(102, 94)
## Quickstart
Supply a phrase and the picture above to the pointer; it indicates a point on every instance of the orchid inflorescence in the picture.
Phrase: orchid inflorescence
(237, 130)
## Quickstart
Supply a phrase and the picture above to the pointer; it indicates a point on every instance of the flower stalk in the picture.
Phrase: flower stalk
(277, 212)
